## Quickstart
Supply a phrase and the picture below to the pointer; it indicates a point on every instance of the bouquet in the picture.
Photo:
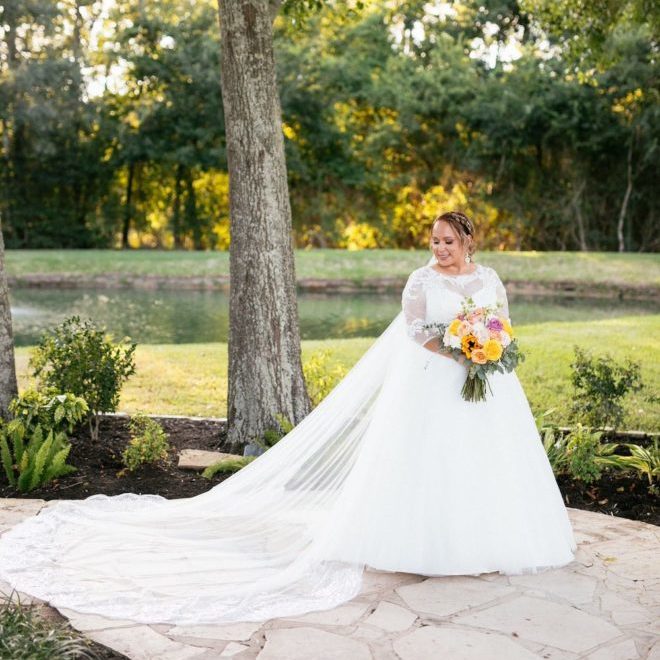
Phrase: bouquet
(485, 339)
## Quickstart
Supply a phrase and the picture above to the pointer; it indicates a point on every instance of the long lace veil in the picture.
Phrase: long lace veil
(251, 548)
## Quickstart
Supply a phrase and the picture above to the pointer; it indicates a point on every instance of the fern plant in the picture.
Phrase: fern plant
(31, 460)
(33, 446)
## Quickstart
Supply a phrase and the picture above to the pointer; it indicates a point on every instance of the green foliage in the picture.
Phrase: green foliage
(227, 465)
(77, 357)
(582, 447)
(26, 636)
(320, 377)
(148, 443)
(33, 459)
(57, 412)
(33, 445)
(579, 453)
(645, 461)
(600, 384)
(274, 435)
(382, 122)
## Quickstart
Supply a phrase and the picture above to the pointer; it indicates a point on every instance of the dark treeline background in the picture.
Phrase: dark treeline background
(540, 117)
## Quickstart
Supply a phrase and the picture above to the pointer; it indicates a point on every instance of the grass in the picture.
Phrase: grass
(632, 269)
(24, 633)
(191, 379)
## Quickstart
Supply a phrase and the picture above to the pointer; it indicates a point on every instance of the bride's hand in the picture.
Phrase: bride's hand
(433, 345)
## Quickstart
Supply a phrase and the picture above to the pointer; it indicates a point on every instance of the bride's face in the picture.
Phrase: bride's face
(446, 245)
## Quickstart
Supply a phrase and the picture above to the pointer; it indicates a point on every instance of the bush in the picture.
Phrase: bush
(600, 385)
(79, 358)
(148, 443)
(320, 379)
(33, 445)
(580, 453)
(50, 410)
(23, 634)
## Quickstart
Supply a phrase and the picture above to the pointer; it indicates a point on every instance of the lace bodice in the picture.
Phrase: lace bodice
(430, 296)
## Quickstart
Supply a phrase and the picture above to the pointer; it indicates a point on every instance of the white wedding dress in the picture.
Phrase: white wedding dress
(393, 470)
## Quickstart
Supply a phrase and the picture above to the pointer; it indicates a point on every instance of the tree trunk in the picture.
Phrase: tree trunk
(176, 214)
(128, 209)
(577, 205)
(192, 221)
(265, 370)
(8, 386)
(626, 199)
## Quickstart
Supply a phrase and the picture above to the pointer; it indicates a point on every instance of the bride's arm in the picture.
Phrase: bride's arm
(413, 302)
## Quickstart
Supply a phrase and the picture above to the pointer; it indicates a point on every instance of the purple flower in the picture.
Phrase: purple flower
(494, 324)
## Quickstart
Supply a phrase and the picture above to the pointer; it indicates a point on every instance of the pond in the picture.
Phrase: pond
(182, 317)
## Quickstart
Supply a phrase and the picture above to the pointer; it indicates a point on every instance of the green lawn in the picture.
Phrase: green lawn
(192, 378)
(636, 269)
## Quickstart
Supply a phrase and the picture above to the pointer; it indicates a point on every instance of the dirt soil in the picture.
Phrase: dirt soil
(98, 464)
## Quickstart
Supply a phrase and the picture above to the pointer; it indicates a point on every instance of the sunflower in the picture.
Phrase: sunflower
(468, 344)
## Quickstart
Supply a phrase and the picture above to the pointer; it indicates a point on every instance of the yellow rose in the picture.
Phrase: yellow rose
(507, 327)
(493, 350)
(479, 356)
(453, 327)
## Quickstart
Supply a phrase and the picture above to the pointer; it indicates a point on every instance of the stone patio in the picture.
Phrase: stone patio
(603, 606)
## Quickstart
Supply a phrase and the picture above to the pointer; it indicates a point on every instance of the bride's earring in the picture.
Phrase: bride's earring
(467, 259)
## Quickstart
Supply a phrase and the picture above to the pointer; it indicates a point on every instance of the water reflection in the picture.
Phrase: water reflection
(174, 317)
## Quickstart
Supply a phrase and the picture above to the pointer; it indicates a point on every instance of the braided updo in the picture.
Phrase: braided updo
(463, 227)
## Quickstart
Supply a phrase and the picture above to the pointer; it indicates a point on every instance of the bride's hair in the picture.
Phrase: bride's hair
(462, 225)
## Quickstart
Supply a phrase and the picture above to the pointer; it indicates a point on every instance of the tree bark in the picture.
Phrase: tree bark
(176, 214)
(577, 205)
(626, 199)
(8, 385)
(128, 207)
(265, 369)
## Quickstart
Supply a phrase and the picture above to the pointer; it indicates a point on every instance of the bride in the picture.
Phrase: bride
(393, 470)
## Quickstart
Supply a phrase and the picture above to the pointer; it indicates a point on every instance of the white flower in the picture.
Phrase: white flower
(454, 341)
(505, 339)
(480, 331)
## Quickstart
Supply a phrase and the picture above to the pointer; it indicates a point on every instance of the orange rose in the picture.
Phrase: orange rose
(479, 356)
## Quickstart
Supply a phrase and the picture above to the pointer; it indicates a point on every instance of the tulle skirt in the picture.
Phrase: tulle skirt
(447, 487)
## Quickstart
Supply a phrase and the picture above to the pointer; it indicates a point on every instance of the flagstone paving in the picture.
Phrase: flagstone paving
(603, 606)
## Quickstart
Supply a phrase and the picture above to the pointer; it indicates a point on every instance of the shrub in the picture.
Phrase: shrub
(227, 465)
(148, 443)
(77, 357)
(600, 384)
(50, 410)
(320, 379)
(582, 447)
(23, 634)
(33, 445)
(580, 453)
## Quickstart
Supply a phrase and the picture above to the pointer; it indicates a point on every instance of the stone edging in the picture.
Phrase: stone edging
(607, 290)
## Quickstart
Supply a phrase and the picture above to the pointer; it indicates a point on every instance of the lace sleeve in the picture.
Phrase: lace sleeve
(413, 302)
(500, 294)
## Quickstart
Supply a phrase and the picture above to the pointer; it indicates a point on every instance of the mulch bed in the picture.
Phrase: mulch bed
(97, 465)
